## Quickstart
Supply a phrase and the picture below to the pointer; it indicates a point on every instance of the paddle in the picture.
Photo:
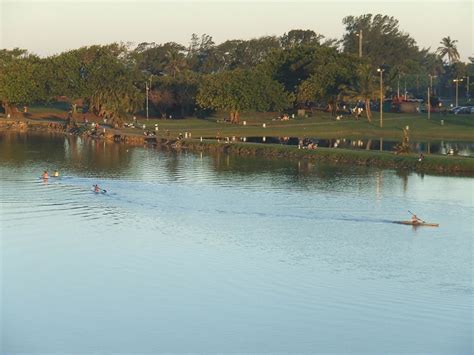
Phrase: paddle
(417, 216)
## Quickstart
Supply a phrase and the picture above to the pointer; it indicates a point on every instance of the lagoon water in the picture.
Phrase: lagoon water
(205, 253)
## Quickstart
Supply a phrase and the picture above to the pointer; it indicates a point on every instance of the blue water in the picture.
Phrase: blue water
(217, 254)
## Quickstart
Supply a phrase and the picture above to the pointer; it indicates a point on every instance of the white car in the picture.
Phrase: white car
(462, 110)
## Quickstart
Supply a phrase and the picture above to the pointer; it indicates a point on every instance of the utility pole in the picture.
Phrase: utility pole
(457, 89)
(398, 87)
(467, 89)
(405, 89)
(380, 70)
(360, 42)
(147, 89)
(429, 104)
(431, 81)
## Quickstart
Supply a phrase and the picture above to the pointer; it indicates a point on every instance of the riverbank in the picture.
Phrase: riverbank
(165, 140)
(430, 163)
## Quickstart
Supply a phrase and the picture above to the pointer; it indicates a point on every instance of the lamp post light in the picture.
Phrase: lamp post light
(380, 70)
(467, 88)
(360, 42)
(405, 89)
(224, 57)
(431, 81)
(457, 89)
(398, 87)
(147, 89)
(429, 103)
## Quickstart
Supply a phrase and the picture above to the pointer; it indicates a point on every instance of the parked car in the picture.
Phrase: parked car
(463, 110)
(454, 109)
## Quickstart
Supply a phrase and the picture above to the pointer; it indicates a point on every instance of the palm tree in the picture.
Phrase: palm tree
(175, 62)
(364, 88)
(449, 49)
(114, 102)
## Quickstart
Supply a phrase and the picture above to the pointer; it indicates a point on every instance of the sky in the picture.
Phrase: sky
(50, 27)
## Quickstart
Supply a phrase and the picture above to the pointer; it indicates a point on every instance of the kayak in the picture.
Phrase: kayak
(100, 192)
(417, 224)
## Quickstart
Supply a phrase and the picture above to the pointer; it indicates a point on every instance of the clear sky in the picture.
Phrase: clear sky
(49, 27)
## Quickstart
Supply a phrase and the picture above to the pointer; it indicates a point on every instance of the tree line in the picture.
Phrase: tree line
(299, 69)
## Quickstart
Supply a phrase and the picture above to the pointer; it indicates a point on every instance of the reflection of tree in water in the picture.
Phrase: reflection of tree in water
(57, 150)
(403, 174)
(18, 147)
(296, 172)
(95, 156)
(172, 164)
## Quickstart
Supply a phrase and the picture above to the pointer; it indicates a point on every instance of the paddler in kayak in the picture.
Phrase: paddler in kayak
(415, 219)
(45, 175)
(97, 189)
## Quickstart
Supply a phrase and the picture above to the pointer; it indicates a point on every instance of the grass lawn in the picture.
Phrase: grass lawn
(324, 126)
(319, 125)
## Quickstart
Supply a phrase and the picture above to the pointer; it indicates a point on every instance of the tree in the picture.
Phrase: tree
(105, 77)
(383, 42)
(364, 87)
(331, 73)
(114, 85)
(175, 94)
(21, 81)
(242, 90)
(300, 37)
(163, 59)
(448, 49)
(175, 62)
(290, 66)
(248, 54)
(199, 51)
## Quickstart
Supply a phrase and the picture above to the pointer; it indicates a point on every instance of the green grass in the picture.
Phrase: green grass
(319, 124)
(53, 108)
(322, 125)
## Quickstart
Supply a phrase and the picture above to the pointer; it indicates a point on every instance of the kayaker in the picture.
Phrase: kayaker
(96, 188)
(45, 175)
(415, 219)
(56, 173)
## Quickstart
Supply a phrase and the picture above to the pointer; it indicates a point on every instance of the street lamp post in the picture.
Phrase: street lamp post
(360, 42)
(147, 89)
(398, 87)
(405, 88)
(431, 81)
(429, 103)
(380, 70)
(467, 88)
(457, 89)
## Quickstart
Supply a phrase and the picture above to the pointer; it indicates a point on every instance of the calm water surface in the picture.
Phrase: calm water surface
(216, 253)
